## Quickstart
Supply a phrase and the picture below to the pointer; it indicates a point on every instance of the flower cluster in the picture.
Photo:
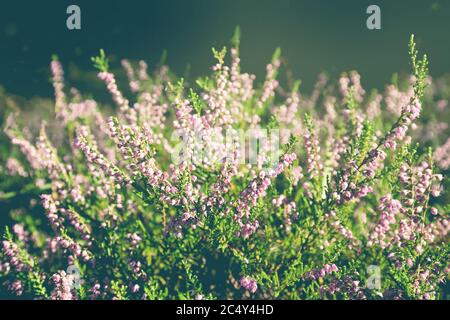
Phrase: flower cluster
(248, 284)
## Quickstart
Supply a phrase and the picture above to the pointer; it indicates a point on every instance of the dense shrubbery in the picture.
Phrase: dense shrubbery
(352, 205)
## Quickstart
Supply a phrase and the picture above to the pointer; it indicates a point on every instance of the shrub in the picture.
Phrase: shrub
(226, 189)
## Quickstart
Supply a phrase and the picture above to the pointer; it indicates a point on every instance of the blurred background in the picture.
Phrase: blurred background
(315, 36)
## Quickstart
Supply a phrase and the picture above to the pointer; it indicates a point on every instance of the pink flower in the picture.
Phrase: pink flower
(249, 284)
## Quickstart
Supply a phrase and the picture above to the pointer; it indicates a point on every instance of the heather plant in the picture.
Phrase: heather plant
(227, 189)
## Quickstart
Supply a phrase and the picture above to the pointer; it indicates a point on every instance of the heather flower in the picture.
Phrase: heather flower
(16, 287)
(73, 248)
(134, 238)
(315, 274)
(270, 84)
(255, 190)
(15, 257)
(32, 154)
(95, 291)
(49, 158)
(62, 287)
(58, 84)
(389, 208)
(95, 157)
(15, 168)
(434, 211)
(249, 284)
(20, 232)
(133, 82)
(110, 82)
(81, 109)
(442, 155)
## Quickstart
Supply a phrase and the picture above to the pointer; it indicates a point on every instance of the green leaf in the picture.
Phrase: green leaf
(101, 62)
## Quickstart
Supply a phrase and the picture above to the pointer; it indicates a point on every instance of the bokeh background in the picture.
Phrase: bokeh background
(314, 36)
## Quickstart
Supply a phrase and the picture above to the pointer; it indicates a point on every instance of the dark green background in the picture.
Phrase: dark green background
(314, 35)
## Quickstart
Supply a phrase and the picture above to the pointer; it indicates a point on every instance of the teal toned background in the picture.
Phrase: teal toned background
(314, 35)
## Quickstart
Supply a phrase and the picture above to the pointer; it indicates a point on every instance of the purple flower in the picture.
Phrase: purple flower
(249, 284)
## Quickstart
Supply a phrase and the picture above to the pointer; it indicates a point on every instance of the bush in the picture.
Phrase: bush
(224, 189)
